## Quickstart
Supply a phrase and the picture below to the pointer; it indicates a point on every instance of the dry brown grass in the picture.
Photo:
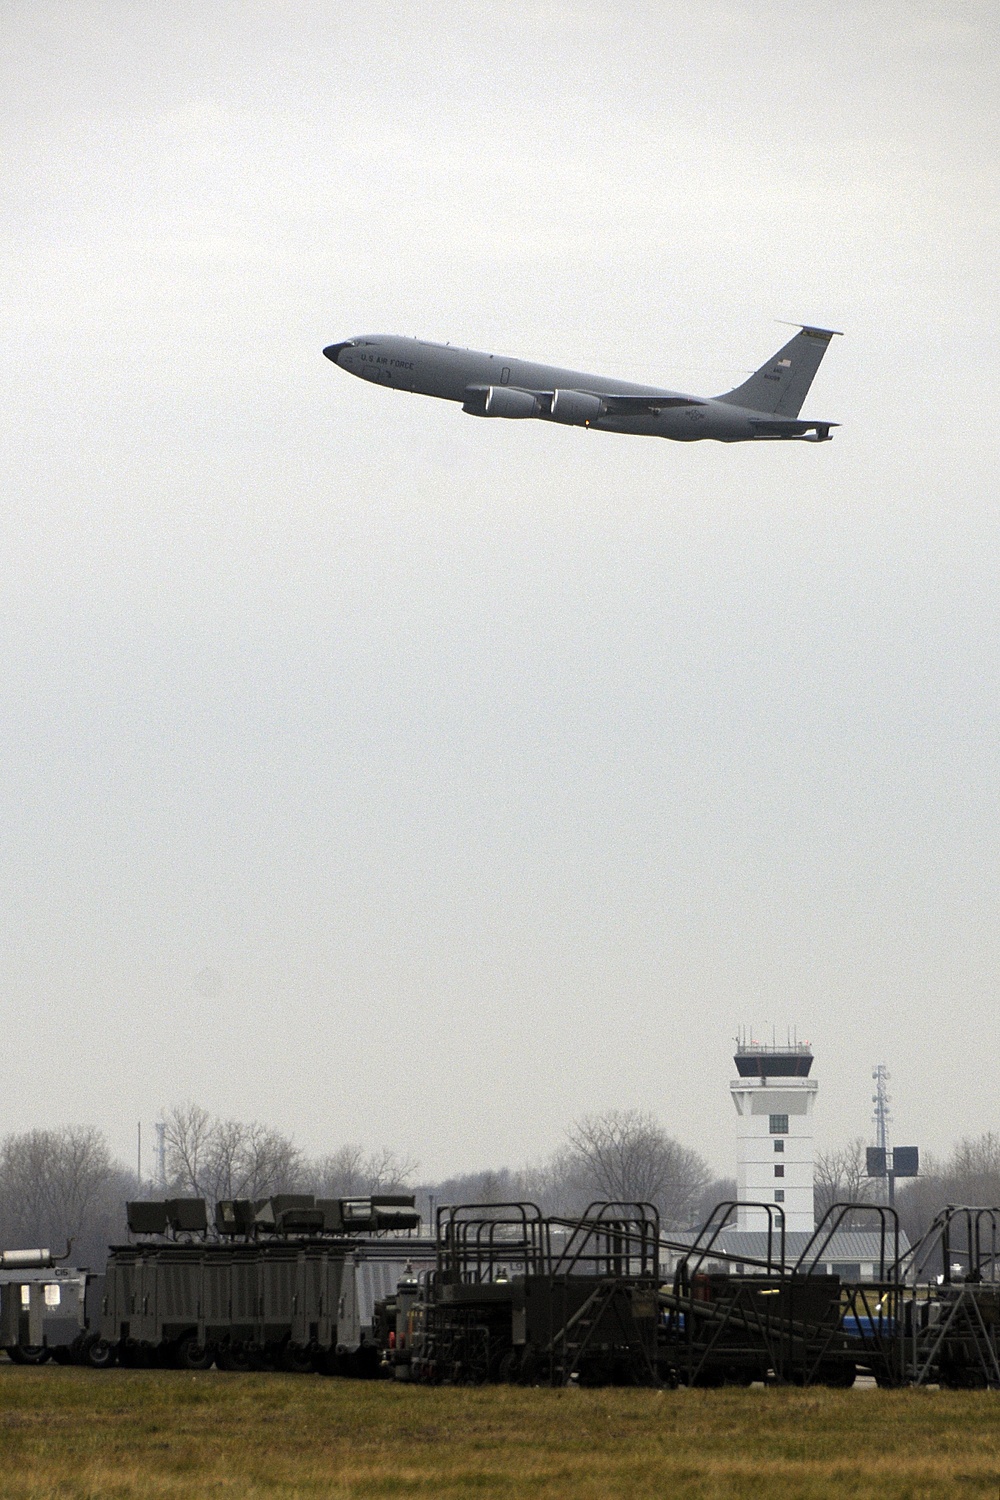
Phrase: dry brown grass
(161, 1435)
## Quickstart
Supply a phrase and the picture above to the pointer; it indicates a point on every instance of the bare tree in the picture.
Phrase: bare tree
(551, 1184)
(840, 1176)
(351, 1172)
(970, 1175)
(58, 1185)
(250, 1160)
(718, 1190)
(81, 1168)
(491, 1186)
(26, 1164)
(974, 1169)
(339, 1174)
(187, 1138)
(625, 1156)
(215, 1159)
(386, 1171)
(918, 1199)
(222, 1173)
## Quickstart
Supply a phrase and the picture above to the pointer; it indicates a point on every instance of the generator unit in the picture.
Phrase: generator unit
(288, 1282)
(48, 1310)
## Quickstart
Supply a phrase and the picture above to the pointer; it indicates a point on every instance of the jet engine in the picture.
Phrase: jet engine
(500, 401)
(576, 408)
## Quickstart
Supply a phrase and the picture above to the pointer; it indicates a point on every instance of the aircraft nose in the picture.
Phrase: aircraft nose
(333, 351)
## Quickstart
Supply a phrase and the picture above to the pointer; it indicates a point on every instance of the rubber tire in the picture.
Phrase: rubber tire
(234, 1358)
(296, 1360)
(190, 1355)
(99, 1355)
(28, 1354)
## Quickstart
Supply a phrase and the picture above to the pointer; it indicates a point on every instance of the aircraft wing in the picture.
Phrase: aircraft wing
(636, 405)
(622, 406)
(613, 404)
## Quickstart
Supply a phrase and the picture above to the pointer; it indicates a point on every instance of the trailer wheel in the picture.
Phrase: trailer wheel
(297, 1360)
(190, 1355)
(98, 1354)
(28, 1354)
(233, 1357)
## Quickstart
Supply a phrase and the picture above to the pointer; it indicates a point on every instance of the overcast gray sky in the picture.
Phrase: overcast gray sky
(399, 777)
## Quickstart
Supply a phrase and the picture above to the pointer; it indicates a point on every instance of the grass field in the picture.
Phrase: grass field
(151, 1434)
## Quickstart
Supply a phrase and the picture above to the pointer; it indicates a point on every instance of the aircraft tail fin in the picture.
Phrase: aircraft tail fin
(779, 387)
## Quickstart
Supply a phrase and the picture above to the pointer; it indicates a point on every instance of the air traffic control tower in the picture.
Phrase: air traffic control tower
(774, 1098)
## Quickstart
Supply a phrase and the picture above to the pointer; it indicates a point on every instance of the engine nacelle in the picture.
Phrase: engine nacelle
(576, 408)
(501, 401)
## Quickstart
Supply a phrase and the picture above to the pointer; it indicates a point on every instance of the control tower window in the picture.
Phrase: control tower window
(779, 1145)
(779, 1195)
(779, 1171)
(778, 1124)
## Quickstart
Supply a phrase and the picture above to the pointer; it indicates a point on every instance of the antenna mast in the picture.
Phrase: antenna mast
(881, 1117)
(880, 1099)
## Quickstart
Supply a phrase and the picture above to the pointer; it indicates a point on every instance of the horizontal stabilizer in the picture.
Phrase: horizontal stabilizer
(812, 432)
(779, 387)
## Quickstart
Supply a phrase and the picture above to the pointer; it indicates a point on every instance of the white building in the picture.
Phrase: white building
(774, 1098)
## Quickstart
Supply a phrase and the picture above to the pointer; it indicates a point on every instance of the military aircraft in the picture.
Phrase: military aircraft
(766, 406)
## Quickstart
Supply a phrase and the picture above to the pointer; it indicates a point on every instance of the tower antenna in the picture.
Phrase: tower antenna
(881, 1099)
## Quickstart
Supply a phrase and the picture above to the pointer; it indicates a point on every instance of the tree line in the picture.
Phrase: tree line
(970, 1174)
(206, 1157)
(64, 1185)
(622, 1156)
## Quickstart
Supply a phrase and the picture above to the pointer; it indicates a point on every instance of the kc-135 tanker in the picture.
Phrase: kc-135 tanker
(765, 407)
